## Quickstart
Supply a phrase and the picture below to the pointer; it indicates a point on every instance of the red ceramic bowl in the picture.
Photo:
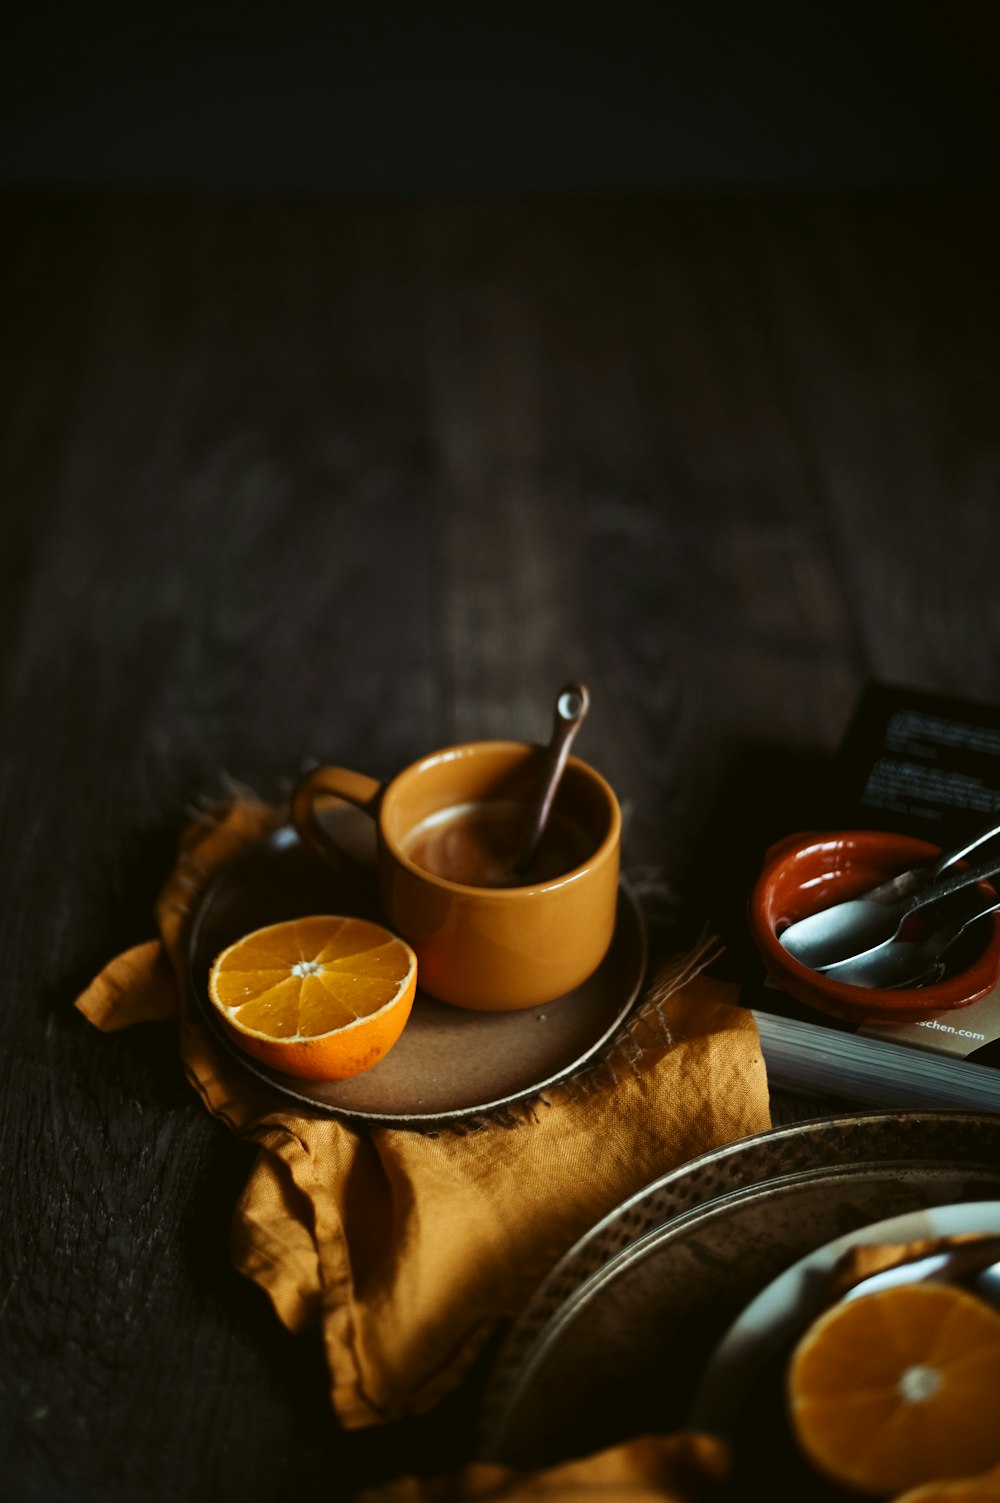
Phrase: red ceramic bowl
(805, 873)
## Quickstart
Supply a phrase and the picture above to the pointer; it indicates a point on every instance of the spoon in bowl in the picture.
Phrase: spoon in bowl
(572, 704)
(847, 929)
(902, 962)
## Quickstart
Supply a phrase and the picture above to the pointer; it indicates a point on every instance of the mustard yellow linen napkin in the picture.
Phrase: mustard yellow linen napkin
(682, 1468)
(868, 1258)
(409, 1249)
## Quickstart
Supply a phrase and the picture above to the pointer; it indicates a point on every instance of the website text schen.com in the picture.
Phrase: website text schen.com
(962, 1033)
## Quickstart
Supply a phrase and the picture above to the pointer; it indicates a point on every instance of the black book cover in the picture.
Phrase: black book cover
(918, 763)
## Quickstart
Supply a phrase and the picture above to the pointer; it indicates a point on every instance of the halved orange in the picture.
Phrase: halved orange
(323, 998)
(899, 1388)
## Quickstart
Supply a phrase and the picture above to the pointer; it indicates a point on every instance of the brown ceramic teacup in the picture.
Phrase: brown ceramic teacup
(447, 832)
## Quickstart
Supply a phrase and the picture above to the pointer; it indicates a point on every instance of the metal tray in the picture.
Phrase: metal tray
(616, 1339)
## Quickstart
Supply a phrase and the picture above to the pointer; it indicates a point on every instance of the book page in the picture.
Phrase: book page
(959, 1032)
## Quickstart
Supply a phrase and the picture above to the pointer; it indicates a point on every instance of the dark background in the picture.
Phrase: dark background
(367, 371)
(442, 98)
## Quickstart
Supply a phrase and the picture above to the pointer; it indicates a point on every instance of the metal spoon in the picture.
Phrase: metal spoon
(846, 929)
(572, 704)
(901, 962)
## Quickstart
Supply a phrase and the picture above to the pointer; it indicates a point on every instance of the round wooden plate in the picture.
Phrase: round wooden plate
(449, 1064)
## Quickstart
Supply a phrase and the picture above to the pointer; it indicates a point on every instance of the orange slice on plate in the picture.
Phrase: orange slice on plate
(899, 1388)
(322, 998)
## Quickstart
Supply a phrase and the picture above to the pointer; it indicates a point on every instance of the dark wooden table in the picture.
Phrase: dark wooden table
(285, 481)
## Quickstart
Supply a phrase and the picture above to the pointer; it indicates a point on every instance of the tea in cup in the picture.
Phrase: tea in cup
(449, 830)
(479, 845)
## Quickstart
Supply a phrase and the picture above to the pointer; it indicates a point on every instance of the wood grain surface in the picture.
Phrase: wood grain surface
(290, 481)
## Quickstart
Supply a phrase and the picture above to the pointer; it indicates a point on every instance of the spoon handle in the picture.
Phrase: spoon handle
(920, 878)
(957, 882)
(990, 906)
(987, 834)
(572, 705)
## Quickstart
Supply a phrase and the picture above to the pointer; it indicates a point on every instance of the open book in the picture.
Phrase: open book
(922, 765)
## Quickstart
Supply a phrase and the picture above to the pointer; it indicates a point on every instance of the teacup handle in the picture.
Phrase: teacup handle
(339, 782)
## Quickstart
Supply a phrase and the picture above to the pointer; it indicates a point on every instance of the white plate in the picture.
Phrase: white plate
(786, 1306)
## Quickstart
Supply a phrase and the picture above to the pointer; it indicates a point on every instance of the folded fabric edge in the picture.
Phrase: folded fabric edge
(356, 1410)
(287, 1236)
(678, 1468)
(273, 1244)
(138, 986)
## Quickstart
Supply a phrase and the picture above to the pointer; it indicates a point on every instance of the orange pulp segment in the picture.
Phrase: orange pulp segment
(899, 1388)
(322, 998)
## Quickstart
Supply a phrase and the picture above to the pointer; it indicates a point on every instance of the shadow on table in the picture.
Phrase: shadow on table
(765, 792)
